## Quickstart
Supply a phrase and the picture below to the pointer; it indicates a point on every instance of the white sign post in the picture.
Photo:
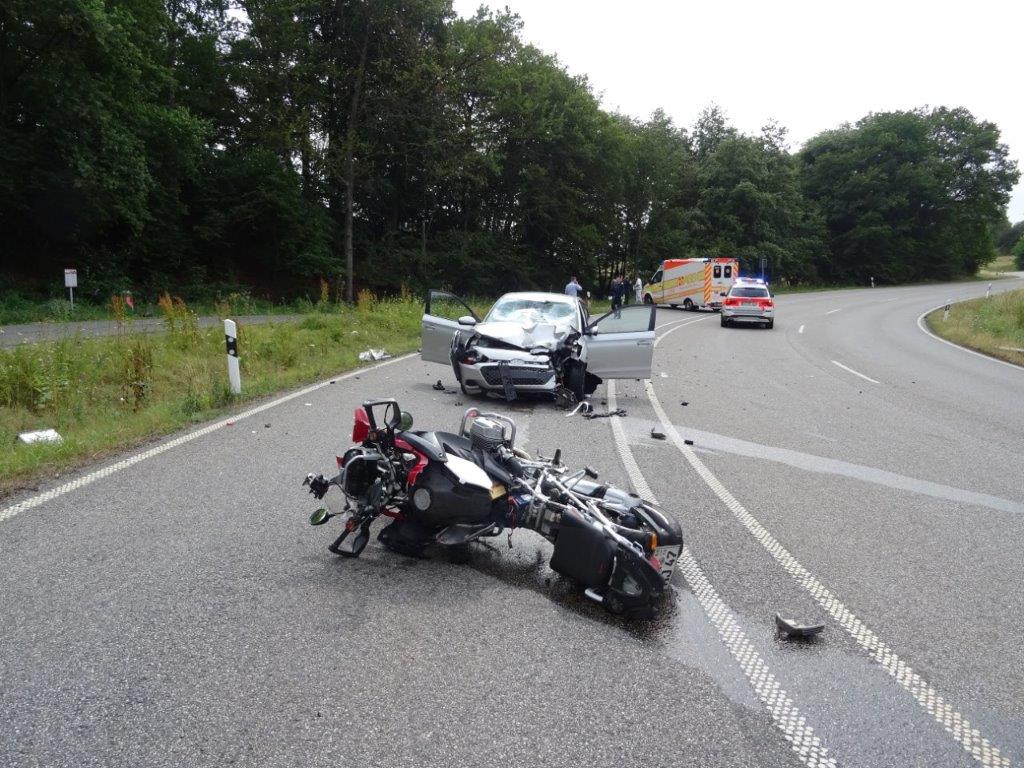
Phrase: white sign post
(231, 341)
(71, 282)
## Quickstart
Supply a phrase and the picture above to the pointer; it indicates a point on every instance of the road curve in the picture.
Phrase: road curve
(180, 611)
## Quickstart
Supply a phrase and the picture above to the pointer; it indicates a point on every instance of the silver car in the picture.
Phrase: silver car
(749, 301)
(536, 342)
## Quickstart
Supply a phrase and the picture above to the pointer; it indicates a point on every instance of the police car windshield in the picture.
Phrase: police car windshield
(749, 292)
(531, 310)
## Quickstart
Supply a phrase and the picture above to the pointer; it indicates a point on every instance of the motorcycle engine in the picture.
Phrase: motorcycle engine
(486, 433)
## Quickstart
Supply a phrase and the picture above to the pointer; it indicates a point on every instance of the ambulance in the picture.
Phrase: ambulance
(692, 283)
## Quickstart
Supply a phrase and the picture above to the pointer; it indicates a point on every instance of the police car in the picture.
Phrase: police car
(749, 301)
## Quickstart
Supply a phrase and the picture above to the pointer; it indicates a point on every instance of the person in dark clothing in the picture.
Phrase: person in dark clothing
(619, 292)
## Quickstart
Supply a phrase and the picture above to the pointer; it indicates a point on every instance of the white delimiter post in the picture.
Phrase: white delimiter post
(231, 341)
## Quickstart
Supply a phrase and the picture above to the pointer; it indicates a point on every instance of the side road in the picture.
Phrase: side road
(28, 333)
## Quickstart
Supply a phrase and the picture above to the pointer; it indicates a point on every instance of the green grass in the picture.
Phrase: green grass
(994, 326)
(110, 393)
(998, 265)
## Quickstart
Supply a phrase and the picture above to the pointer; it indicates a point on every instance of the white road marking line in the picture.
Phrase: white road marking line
(927, 697)
(783, 711)
(855, 373)
(833, 311)
(60, 490)
(923, 327)
(800, 330)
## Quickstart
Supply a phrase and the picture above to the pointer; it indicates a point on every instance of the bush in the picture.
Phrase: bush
(1018, 253)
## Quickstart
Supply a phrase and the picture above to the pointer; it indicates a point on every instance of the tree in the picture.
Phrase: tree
(1018, 253)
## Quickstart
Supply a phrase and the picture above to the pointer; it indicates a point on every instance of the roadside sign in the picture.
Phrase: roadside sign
(71, 282)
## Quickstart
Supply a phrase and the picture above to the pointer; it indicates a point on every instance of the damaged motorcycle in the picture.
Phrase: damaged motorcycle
(444, 489)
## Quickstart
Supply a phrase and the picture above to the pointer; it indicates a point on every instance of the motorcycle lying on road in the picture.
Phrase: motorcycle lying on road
(441, 488)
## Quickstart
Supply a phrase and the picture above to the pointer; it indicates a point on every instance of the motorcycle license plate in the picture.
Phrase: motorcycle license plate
(668, 556)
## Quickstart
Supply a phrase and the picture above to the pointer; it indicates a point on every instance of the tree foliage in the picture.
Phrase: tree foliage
(388, 143)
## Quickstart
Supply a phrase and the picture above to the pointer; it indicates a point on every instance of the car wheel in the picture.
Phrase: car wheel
(575, 380)
(648, 299)
(770, 324)
(687, 305)
(724, 321)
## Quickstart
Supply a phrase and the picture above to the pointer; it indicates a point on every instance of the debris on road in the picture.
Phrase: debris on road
(584, 407)
(41, 436)
(657, 435)
(688, 442)
(791, 628)
(439, 386)
(606, 415)
(685, 402)
(664, 375)
(372, 355)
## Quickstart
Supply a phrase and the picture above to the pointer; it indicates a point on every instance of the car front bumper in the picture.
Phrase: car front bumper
(527, 373)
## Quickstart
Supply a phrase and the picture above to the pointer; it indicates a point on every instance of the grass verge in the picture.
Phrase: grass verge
(107, 394)
(994, 326)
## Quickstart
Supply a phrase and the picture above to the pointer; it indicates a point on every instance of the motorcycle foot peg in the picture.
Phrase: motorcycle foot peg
(597, 598)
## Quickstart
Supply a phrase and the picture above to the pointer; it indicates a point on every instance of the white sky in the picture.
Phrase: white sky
(809, 65)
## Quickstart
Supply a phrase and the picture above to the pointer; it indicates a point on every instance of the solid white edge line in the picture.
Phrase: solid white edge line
(855, 373)
(982, 355)
(60, 490)
(928, 698)
(784, 713)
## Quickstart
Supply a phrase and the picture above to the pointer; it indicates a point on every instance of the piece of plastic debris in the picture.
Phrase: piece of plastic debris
(664, 375)
(371, 355)
(685, 402)
(584, 407)
(266, 426)
(657, 435)
(307, 403)
(606, 415)
(231, 423)
(439, 386)
(41, 436)
(688, 442)
(791, 628)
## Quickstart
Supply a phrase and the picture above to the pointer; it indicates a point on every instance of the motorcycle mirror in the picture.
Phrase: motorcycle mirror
(320, 517)
(405, 421)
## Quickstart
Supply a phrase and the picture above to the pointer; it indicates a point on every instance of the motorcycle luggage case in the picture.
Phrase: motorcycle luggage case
(582, 551)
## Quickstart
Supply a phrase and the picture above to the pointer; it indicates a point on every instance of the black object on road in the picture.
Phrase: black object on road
(657, 435)
(439, 386)
(605, 415)
(791, 628)
(688, 442)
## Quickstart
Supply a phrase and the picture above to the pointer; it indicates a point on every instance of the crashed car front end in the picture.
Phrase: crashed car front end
(518, 362)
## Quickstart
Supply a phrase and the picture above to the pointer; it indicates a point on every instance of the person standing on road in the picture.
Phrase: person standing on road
(638, 289)
(573, 287)
(619, 292)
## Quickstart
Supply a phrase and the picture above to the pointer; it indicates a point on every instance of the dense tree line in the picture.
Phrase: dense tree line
(387, 143)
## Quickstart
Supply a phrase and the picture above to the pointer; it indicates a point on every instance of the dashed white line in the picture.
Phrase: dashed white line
(833, 311)
(970, 738)
(855, 373)
(60, 490)
(783, 711)
(800, 329)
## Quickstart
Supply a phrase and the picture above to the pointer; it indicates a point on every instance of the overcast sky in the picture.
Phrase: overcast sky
(809, 65)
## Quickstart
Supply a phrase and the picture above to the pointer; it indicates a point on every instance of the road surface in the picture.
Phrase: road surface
(845, 467)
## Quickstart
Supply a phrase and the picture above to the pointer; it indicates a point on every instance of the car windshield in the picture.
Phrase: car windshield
(749, 292)
(519, 310)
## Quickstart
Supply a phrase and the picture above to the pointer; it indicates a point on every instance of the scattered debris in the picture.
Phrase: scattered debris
(791, 628)
(439, 386)
(334, 381)
(307, 403)
(372, 355)
(664, 375)
(657, 435)
(584, 407)
(685, 402)
(606, 415)
(41, 436)
(564, 397)
(266, 426)
(231, 423)
(688, 442)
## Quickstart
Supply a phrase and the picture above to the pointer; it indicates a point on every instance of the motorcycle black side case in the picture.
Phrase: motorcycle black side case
(450, 502)
(583, 552)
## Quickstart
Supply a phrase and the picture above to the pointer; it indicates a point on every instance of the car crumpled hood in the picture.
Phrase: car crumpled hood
(524, 335)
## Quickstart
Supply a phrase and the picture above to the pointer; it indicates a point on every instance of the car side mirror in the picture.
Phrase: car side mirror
(467, 320)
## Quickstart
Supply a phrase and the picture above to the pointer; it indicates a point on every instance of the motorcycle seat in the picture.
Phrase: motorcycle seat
(427, 443)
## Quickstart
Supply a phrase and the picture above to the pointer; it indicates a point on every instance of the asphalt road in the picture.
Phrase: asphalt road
(28, 333)
(181, 612)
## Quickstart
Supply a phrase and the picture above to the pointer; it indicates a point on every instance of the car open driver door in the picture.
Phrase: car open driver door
(441, 321)
(620, 344)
